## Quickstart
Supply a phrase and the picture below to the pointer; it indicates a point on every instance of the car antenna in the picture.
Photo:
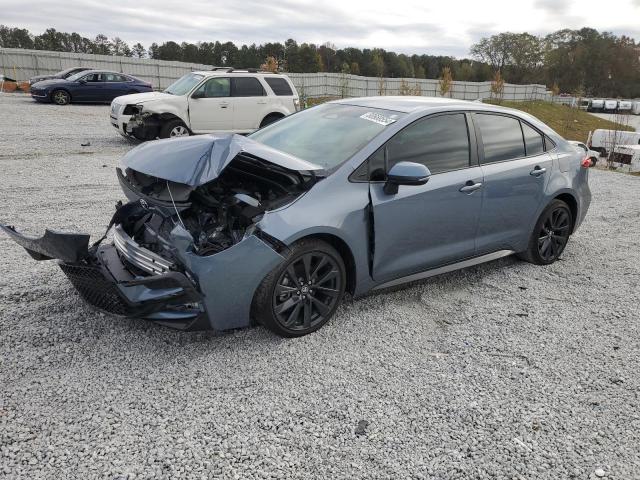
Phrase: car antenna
(174, 206)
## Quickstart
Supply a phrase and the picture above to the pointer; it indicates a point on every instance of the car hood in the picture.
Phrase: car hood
(50, 82)
(136, 98)
(197, 160)
(39, 78)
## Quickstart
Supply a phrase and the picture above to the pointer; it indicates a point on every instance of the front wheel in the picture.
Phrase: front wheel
(174, 128)
(301, 295)
(61, 97)
(550, 234)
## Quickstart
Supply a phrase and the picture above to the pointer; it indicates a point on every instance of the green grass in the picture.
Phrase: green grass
(571, 123)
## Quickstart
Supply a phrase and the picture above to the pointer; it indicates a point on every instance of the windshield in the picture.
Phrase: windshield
(184, 84)
(328, 134)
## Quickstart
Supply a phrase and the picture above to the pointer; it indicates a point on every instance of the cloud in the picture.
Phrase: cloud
(405, 26)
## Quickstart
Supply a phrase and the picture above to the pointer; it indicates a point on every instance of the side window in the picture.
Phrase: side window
(114, 77)
(215, 87)
(533, 141)
(247, 87)
(93, 77)
(501, 137)
(279, 86)
(441, 143)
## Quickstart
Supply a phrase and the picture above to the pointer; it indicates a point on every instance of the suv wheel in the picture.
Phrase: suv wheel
(269, 119)
(301, 295)
(174, 128)
(550, 234)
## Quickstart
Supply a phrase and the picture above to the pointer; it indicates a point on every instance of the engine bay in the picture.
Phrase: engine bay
(218, 214)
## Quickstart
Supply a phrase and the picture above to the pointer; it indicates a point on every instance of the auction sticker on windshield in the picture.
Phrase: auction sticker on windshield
(379, 118)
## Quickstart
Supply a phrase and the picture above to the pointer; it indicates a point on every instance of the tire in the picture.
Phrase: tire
(60, 97)
(550, 235)
(269, 119)
(174, 128)
(302, 294)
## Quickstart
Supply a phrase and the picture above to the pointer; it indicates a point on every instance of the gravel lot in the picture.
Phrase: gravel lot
(505, 370)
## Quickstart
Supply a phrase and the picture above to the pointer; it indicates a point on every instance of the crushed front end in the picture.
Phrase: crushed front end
(188, 255)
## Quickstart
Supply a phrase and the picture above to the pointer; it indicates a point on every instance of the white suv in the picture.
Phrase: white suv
(222, 100)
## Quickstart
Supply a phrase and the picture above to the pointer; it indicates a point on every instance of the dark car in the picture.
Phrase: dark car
(94, 86)
(354, 195)
(62, 74)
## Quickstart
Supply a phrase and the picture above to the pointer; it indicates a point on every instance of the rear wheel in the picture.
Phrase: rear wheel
(174, 128)
(61, 97)
(550, 235)
(269, 119)
(302, 294)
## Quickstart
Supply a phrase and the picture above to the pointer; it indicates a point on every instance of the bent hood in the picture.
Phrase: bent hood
(197, 160)
(135, 98)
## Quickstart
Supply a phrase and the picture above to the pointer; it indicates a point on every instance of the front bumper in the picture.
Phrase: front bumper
(204, 292)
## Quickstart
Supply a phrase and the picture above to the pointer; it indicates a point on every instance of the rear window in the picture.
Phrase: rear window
(246, 87)
(501, 137)
(279, 86)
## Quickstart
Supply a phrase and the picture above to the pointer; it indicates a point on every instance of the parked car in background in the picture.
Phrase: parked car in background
(603, 141)
(583, 104)
(635, 108)
(586, 151)
(596, 105)
(62, 74)
(223, 100)
(354, 195)
(626, 157)
(93, 86)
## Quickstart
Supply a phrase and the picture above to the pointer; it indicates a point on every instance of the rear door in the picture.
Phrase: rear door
(250, 102)
(430, 225)
(115, 85)
(516, 169)
(210, 108)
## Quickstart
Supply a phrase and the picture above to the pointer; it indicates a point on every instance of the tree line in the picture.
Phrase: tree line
(583, 62)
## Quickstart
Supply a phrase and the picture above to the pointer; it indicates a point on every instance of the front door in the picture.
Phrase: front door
(209, 107)
(91, 88)
(434, 224)
(516, 169)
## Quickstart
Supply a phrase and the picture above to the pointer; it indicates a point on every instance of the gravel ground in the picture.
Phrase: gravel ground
(505, 370)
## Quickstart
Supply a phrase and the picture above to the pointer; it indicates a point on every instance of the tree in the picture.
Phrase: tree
(138, 51)
(497, 87)
(101, 45)
(270, 65)
(120, 48)
(446, 82)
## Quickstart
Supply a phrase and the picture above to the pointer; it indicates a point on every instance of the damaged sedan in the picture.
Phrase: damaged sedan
(226, 231)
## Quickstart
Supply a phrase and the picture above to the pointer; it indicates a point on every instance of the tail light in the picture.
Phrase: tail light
(586, 163)
(296, 103)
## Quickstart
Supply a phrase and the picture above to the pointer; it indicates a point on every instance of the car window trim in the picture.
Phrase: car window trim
(471, 137)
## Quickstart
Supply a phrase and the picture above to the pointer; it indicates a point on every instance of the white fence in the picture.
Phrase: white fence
(22, 64)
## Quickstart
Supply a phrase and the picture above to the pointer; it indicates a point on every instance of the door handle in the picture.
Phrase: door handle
(536, 172)
(262, 102)
(470, 187)
(224, 105)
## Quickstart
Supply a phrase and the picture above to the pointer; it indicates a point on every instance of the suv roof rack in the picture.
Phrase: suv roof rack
(239, 70)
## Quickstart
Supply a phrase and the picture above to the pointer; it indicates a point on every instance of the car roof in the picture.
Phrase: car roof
(409, 104)
(106, 71)
(213, 73)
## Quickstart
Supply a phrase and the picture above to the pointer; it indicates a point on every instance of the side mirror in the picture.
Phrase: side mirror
(406, 173)
(198, 94)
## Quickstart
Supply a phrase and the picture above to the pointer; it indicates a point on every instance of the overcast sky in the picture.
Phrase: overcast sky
(405, 26)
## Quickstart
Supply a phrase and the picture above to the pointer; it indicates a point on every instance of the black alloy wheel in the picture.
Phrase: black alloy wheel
(550, 235)
(303, 293)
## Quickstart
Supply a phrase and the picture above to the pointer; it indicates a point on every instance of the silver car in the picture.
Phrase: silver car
(354, 195)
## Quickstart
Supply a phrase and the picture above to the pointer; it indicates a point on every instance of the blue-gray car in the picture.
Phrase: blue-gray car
(226, 231)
